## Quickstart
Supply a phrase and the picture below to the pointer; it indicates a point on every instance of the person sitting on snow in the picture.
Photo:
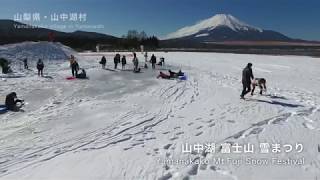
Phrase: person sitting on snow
(12, 101)
(82, 75)
(163, 76)
(176, 74)
(161, 62)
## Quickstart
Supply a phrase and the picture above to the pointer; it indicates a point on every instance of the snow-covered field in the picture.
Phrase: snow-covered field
(121, 125)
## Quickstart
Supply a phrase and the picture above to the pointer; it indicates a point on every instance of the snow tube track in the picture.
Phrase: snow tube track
(174, 95)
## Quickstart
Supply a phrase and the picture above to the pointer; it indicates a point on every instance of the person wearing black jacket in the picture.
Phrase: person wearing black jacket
(11, 102)
(247, 76)
(82, 74)
(123, 62)
(25, 63)
(116, 60)
(153, 61)
(40, 67)
(103, 62)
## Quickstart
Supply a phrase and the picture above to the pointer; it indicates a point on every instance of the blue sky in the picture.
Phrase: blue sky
(295, 18)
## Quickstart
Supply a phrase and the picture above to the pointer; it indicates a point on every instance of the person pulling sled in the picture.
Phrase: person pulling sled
(247, 77)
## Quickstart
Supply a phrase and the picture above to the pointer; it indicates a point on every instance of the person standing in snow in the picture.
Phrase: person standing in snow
(153, 61)
(116, 60)
(25, 63)
(123, 62)
(247, 76)
(74, 66)
(40, 67)
(11, 102)
(103, 62)
(145, 60)
(135, 62)
(146, 57)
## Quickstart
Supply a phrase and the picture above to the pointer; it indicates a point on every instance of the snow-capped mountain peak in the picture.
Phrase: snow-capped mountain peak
(218, 20)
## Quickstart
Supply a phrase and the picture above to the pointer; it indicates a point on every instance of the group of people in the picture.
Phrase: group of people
(248, 81)
(153, 61)
(116, 60)
(123, 60)
(40, 66)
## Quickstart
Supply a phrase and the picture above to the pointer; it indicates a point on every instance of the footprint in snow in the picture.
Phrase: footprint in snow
(125, 149)
(173, 138)
(127, 123)
(198, 134)
(211, 125)
(308, 126)
(210, 121)
(199, 127)
(179, 133)
(190, 124)
(167, 146)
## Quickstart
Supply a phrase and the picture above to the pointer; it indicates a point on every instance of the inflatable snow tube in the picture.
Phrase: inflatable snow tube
(3, 109)
(183, 78)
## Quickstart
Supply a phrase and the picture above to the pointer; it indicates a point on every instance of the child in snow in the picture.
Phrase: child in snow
(40, 67)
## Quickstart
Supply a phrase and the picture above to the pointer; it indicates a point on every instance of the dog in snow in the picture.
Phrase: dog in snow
(261, 82)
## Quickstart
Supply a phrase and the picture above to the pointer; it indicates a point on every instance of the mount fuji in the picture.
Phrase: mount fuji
(224, 27)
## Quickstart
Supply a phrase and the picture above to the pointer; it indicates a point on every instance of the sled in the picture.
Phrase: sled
(3, 109)
(48, 77)
(113, 70)
(70, 78)
(183, 78)
(12, 76)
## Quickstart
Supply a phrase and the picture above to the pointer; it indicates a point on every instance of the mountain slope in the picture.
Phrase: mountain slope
(224, 27)
(10, 33)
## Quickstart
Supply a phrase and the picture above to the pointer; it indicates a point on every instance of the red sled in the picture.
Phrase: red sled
(70, 78)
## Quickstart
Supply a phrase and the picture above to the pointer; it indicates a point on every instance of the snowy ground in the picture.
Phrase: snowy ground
(121, 125)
